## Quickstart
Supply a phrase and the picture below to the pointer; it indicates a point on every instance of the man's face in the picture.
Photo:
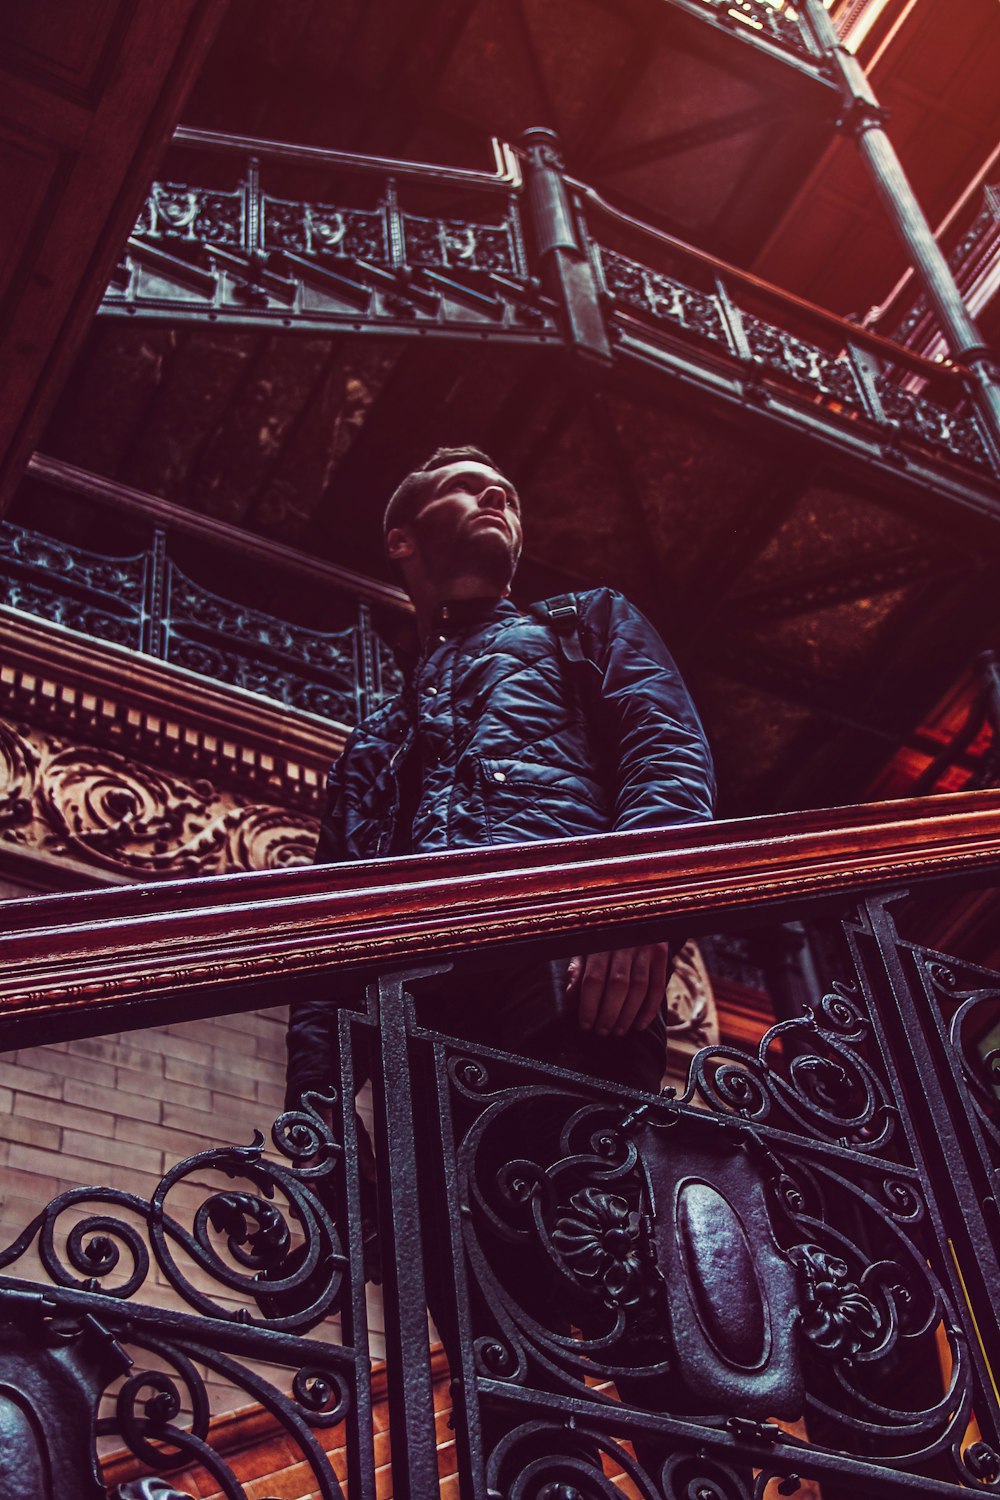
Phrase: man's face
(470, 523)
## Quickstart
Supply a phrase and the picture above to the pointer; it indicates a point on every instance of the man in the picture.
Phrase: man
(570, 719)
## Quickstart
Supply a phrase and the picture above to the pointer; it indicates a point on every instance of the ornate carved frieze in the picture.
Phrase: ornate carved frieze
(128, 818)
(92, 694)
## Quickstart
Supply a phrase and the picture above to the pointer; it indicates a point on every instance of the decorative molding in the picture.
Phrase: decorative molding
(106, 698)
(124, 818)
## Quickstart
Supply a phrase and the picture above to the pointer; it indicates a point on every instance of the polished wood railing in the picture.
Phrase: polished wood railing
(112, 959)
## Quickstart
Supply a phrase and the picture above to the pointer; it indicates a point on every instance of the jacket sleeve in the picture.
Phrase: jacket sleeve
(661, 764)
(309, 1038)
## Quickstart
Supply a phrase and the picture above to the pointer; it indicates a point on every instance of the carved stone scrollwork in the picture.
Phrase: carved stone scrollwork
(130, 818)
(692, 1015)
(18, 764)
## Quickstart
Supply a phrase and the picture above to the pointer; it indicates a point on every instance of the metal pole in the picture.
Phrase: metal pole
(865, 119)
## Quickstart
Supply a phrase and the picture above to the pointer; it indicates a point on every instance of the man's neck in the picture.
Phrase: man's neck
(469, 586)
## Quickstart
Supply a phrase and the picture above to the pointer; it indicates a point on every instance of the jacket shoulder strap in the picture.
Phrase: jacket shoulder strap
(562, 614)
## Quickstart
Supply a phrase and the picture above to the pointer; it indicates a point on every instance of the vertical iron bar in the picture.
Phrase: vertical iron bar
(252, 223)
(354, 1310)
(864, 118)
(462, 1359)
(394, 227)
(412, 1442)
(155, 597)
(366, 685)
(732, 322)
(864, 379)
(941, 1128)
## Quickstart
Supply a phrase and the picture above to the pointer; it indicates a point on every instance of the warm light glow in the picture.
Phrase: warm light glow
(855, 18)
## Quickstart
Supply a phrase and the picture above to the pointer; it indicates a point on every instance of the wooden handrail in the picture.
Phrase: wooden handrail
(183, 522)
(505, 176)
(846, 330)
(111, 959)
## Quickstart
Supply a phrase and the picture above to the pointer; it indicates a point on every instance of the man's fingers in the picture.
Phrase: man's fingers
(658, 969)
(620, 991)
(635, 996)
(617, 989)
(574, 970)
(594, 974)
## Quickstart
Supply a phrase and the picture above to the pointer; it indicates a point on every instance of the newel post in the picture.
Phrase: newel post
(566, 268)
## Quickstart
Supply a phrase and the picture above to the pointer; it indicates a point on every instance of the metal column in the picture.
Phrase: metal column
(865, 118)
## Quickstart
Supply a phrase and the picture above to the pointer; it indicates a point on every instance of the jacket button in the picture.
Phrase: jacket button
(499, 776)
(433, 692)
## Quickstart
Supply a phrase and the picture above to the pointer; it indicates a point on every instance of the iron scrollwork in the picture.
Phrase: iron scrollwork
(662, 297)
(256, 1266)
(806, 364)
(177, 212)
(757, 1247)
(459, 245)
(325, 231)
(931, 425)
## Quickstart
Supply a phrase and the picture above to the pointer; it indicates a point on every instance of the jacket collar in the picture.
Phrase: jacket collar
(455, 614)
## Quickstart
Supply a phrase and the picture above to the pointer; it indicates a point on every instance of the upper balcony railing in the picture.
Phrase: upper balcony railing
(146, 602)
(421, 251)
(781, 1274)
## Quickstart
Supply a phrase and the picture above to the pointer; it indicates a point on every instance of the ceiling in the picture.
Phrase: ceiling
(818, 615)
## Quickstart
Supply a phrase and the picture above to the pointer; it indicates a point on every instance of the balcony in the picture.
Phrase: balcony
(847, 1160)
(375, 257)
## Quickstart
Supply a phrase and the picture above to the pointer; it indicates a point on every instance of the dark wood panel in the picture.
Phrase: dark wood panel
(29, 180)
(91, 90)
(64, 44)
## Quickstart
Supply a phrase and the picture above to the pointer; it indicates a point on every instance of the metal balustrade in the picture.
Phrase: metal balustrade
(147, 603)
(781, 1273)
(373, 257)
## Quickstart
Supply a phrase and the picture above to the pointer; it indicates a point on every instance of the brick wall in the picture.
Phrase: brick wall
(120, 1110)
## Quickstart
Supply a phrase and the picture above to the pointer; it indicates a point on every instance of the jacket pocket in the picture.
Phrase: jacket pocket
(526, 800)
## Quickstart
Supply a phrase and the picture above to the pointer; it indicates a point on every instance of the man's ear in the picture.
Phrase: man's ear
(399, 543)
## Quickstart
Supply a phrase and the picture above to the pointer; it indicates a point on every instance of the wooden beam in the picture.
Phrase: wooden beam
(183, 522)
(91, 92)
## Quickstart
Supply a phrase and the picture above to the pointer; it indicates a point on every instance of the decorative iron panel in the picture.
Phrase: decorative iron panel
(661, 297)
(142, 1297)
(721, 1294)
(176, 212)
(459, 245)
(145, 603)
(120, 578)
(777, 24)
(806, 364)
(272, 679)
(102, 596)
(325, 231)
(931, 425)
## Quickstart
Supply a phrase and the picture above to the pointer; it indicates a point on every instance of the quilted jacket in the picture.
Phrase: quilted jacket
(514, 745)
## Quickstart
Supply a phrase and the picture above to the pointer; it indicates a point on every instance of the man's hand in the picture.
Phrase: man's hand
(621, 991)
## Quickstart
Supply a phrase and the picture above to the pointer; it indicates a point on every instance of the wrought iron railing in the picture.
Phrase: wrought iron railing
(376, 252)
(782, 1275)
(146, 602)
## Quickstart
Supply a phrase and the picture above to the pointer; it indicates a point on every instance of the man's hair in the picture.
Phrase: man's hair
(408, 498)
